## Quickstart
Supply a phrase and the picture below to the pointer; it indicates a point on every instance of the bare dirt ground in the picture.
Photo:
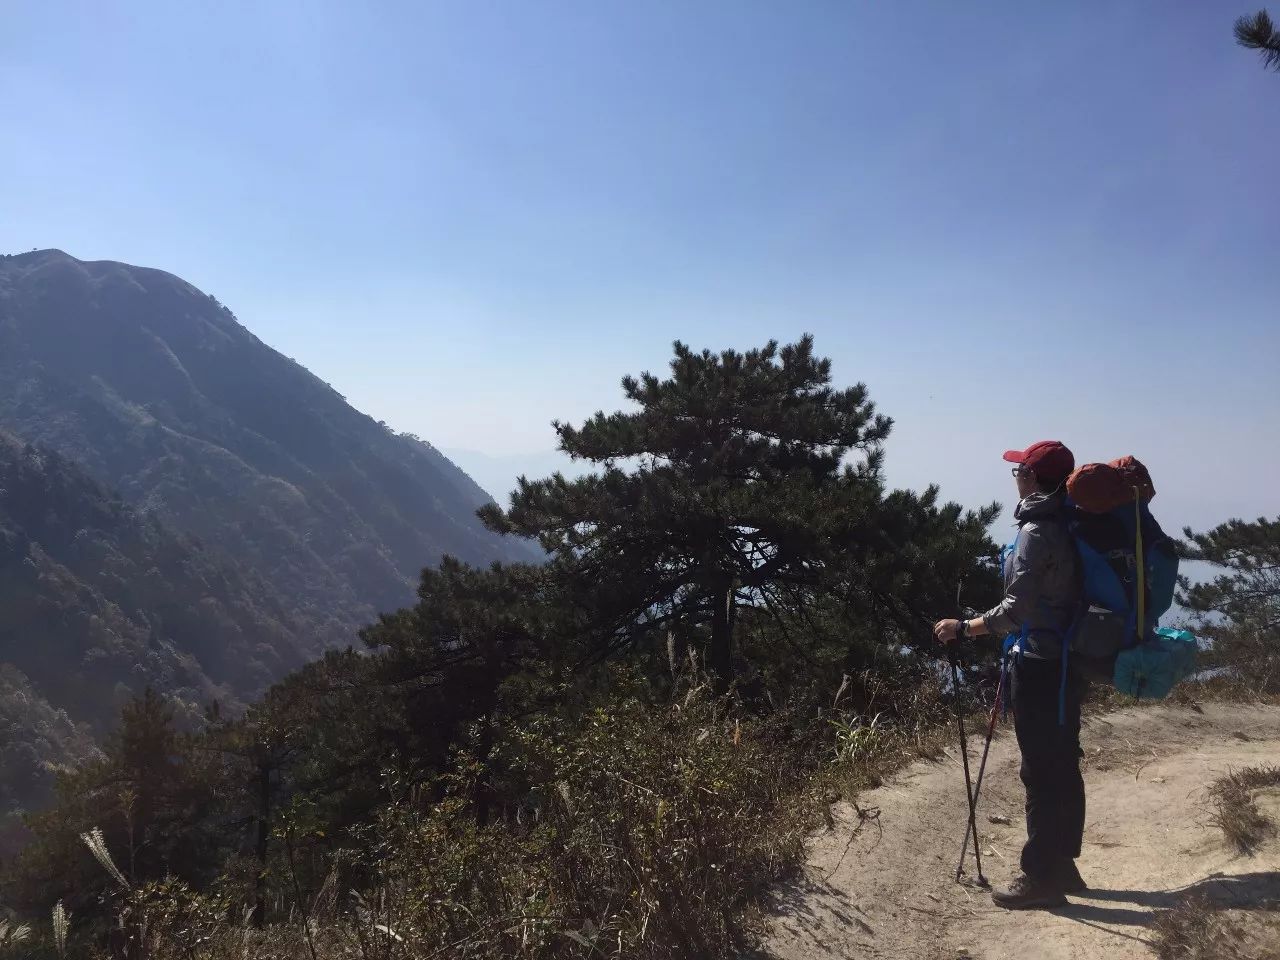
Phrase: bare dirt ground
(881, 884)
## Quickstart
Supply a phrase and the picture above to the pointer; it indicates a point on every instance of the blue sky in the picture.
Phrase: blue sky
(1012, 221)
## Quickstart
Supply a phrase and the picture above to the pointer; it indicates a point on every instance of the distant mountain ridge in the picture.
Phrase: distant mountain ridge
(158, 392)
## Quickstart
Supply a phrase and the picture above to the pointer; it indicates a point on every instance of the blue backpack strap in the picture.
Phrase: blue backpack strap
(1007, 552)
(1069, 641)
(1011, 653)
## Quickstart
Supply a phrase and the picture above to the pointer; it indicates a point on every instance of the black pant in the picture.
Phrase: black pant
(1050, 763)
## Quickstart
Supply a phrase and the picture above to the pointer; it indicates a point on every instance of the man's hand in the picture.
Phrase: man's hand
(947, 631)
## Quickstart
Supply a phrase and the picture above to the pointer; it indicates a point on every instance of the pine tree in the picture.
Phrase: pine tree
(1239, 609)
(736, 485)
(257, 751)
(1259, 33)
(447, 657)
(145, 751)
(152, 799)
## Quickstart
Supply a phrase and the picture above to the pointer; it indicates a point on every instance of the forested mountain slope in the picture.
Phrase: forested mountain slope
(159, 393)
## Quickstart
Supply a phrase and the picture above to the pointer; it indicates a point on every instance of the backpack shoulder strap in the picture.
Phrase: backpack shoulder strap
(1141, 598)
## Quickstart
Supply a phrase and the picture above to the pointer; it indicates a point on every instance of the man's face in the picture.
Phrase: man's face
(1026, 480)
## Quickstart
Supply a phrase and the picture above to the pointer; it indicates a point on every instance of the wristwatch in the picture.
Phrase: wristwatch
(962, 629)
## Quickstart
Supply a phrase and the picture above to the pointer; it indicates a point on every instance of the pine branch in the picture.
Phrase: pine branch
(1259, 33)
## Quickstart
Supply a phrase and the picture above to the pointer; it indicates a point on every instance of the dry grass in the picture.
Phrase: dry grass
(1235, 809)
(921, 727)
(1229, 688)
(1197, 930)
(632, 831)
(637, 831)
(1103, 698)
(647, 833)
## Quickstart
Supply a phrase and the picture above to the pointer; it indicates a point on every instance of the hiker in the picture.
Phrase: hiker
(1042, 590)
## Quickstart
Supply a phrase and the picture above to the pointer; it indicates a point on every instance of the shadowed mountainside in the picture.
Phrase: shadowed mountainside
(159, 393)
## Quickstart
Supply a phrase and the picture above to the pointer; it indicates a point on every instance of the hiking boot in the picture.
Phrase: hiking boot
(1028, 893)
(1069, 878)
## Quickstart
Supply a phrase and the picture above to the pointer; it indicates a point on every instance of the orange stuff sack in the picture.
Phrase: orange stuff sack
(1136, 475)
(1099, 488)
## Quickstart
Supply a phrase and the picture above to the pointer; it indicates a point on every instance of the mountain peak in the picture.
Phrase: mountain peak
(153, 388)
(41, 256)
(36, 260)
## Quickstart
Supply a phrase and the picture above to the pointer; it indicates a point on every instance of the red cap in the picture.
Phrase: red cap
(1050, 459)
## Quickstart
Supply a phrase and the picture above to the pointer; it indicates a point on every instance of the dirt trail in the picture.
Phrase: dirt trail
(882, 885)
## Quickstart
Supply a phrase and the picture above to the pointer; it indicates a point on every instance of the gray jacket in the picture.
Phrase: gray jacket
(1041, 578)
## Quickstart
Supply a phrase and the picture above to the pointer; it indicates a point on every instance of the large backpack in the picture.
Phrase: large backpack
(1128, 573)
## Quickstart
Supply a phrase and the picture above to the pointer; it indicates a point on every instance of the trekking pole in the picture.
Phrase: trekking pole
(968, 783)
(971, 828)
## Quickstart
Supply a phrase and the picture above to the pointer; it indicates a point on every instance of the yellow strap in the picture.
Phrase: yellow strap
(1142, 566)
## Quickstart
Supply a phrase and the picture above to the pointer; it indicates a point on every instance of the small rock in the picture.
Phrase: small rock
(1000, 819)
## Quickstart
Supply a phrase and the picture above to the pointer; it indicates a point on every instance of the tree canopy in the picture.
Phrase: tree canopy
(743, 480)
